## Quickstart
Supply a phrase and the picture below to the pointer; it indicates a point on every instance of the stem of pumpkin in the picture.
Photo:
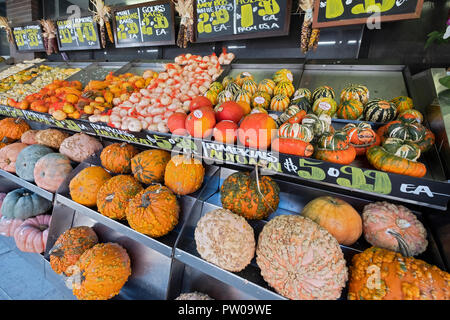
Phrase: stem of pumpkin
(259, 188)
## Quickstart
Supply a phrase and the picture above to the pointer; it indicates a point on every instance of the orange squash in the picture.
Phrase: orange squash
(293, 146)
(149, 166)
(184, 175)
(117, 157)
(85, 185)
(257, 130)
(13, 128)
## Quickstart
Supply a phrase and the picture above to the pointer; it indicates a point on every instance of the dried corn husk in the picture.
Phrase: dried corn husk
(49, 36)
(185, 9)
(4, 24)
(102, 14)
(314, 39)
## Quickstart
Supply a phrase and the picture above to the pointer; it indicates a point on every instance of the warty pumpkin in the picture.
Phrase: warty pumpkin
(8, 156)
(117, 157)
(114, 195)
(150, 165)
(300, 259)
(154, 211)
(101, 273)
(86, 184)
(51, 170)
(337, 216)
(240, 194)
(79, 147)
(380, 274)
(32, 234)
(51, 137)
(184, 175)
(69, 247)
(13, 128)
(29, 137)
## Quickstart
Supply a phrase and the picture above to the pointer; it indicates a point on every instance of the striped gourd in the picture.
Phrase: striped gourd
(411, 114)
(243, 76)
(379, 110)
(324, 106)
(350, 109)
(323, 92)
(355, 92)
(402, 148)
(224, 96)
(279, 102)
(233, 88)
(212, 96)
(283, 75)
(261, 99)
(243, 96)
(227, 80)
(303, 93)
(291, 111)
(267, 85)
(409, 130)
(403, 103)
(302, 103)
(216, 87)
(319, 125)
(250, 86)
(284, 87)
(296, 131)
(338, 140)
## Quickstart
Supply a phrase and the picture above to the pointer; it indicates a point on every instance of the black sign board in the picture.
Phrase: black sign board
(341, 12)
(217, 20)
(144, 24)
(29, 37)
(78, 34)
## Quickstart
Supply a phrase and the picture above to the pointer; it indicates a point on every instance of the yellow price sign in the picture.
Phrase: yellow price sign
(267, 7)
(65, 36)
(18, 34)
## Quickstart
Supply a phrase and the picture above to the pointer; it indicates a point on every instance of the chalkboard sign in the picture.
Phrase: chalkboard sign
(343, 12)
(144, 24)
(78, 34)
(217, 20)
(28, 37)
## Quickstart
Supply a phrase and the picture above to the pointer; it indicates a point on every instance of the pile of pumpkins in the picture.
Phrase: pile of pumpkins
(117, 187)
(299, 255)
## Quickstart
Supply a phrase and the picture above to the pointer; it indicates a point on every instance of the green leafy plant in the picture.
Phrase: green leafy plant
(436, 37)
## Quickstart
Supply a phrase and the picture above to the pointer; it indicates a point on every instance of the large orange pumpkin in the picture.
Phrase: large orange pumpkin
(117, 157)
(149, 166)
(257, 130)
(153, 211)
(184, 175)
(85, 185)
(200, 122)
(337, 216)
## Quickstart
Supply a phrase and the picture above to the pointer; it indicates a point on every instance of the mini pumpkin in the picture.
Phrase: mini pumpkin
(250, 85)
(324, 106)
(260, 99)
(150, 165)
(350, 109)
(233, 88)
(355, 92)
(284, 87)
(410, 114)
(184, 175)
(51, 137)
(117, 157)
(86, 184)
(379, 110)
(32, 234)
(13, 128)
(361, 136)
(283, 75)
(323, 92)
(241, 77)
(403, 103)
(279, 102)
(243, 96)
(303, 93)
(267, 85)
(224, 96)
(296, 131)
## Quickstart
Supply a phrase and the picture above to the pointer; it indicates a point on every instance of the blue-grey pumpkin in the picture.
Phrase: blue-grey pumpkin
(23, 204)
(27, 158)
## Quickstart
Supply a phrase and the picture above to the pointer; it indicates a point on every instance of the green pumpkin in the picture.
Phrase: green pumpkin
(27, 158)
(319, 125)
(296, 131)
(23, 204)
(323, 92)
(379, 110)
(355, 92)
(303, 93)
(408, 130)
(350, 110)
(411, 114)
(402, 149)
(334, 141)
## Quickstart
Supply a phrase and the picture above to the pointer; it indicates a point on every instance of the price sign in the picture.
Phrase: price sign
(28, 38)
(145, 24)
(78, 34)
(341, 12)
(241, 19)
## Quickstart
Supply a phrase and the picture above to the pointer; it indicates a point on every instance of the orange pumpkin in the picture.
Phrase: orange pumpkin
(257, 130)
(117, 157)
(184, 175)
(8, 156)
(149, 166)
(85, 185)
(200, 122)
(13, 128)
(337, 216)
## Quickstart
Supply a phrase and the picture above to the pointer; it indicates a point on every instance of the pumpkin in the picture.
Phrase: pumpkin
(427, 142)
(51, 170)
(250, 86)
(410, 114)
(23, 204)
(303, 93)
(337, 216)
(296, 131)
(283, 75)
(241, 77)
(8, 226)
(13, 128)
(334, 141)
(379, 110)
(260, 99)
(184, 175)
(200, 122)
(380, 274)
(409, 130)
(382, 218)
(402, 148)
(117, 157)
(27, 158)
(177, 123)
(293, 146)
(361, 136)
(383, 160)
(101, 272)
(301, 103)
(5, 141)
(224, 96)
(240, 194)
(344, 156)
(284, 87)
(8, 156)
(69, 247)
(350, 110)
(403, 103)
(114, 195)
(266, 85)
(279, 102)
(79, 147)
(243, 96)
(257, 130)
(29, 137)
(355, 92)
(300, 259)
(86, 184)
(212, 96)
(149, 166)
(229, 111)
(227, 80)
(324, 106)
(225, 239)
(319, 124)
(2, 197)
(193, 296)
(323, 92)
(51, 138)
(154, 211)
(225, 131)
(32, 234)
(290, 111)
(216, 86)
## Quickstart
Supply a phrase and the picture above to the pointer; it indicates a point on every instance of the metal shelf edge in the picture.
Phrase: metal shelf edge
(27, 185)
